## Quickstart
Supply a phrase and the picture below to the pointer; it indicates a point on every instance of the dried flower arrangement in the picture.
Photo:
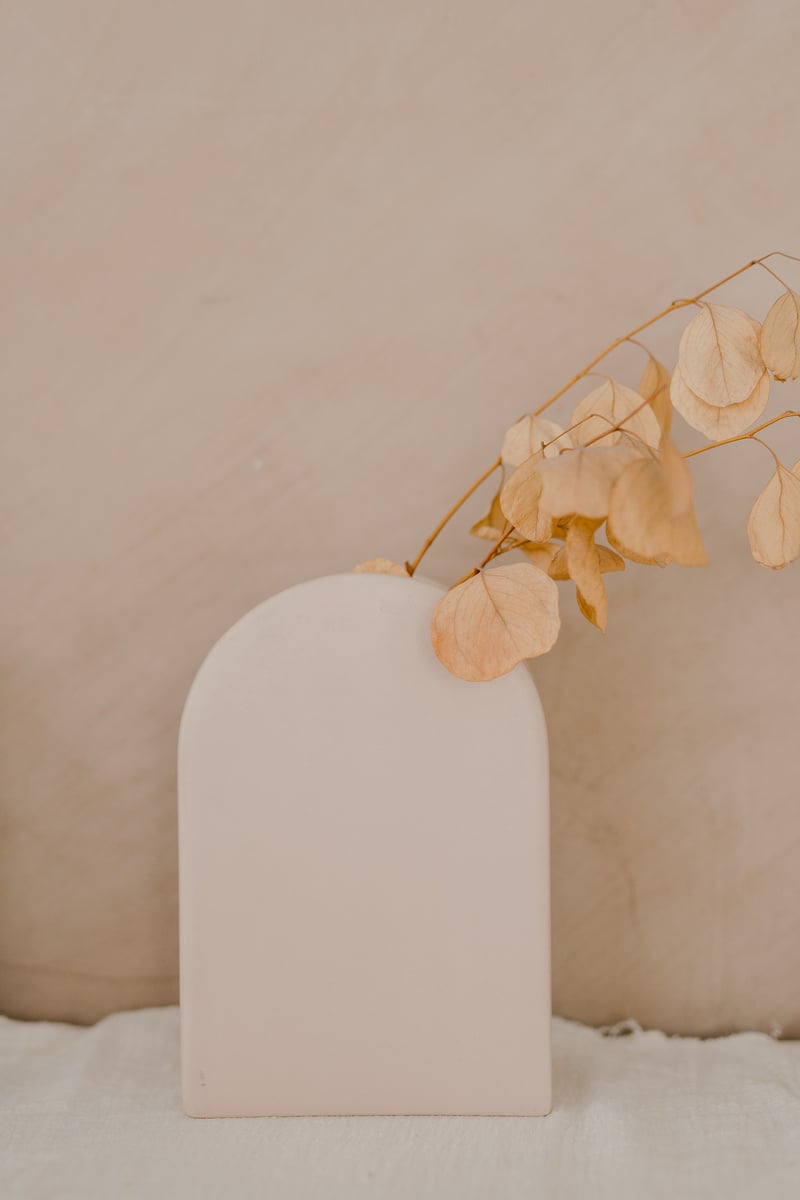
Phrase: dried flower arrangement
(616, 465)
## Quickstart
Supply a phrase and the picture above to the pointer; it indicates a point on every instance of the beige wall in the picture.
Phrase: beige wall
(275, 279)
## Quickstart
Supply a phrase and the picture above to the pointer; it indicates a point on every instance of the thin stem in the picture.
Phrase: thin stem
(431, 538)
(630, 336)
(768, 448)
(464, 578)
(496, 554)
(744, 437)
(774, 274)
(508, 529)
(634, 342)
(620, 426)
(496, 549)
(778, 254)
(673, 307)
(613, 427)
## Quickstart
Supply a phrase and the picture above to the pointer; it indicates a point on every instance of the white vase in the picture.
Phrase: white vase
(364, 884)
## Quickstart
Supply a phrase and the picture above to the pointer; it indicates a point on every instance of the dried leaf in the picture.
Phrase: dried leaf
(654, 386)
(614, 404)
(588, 611)
(485, 626)
(521, 494)
(380, 566)
(579, 482)
(632, 555)
(529, 436)
(493, 524)
(780, 337)
(583, 564)
(651, 517)
(609, 560)
(719, 357)
(773, 528)
(583, 561)
(719, 422)
(542, 554)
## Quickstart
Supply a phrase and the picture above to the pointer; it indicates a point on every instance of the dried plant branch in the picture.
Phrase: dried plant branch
(626, 337)
(615, 466)
(496, 550)
(451, 512)
(582, 374)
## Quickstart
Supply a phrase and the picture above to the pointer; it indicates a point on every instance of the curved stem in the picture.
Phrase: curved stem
(431, 538)
(768, 448)
(508, 529)
(630, 336)
(778, 254)
(744, 437)
(673, 307)
(774, 274)
(496, 549)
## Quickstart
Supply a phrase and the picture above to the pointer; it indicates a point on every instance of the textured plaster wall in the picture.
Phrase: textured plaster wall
(275, 279)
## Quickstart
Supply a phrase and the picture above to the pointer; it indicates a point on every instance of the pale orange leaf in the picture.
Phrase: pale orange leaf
(780, 337)
(578, 482)
(654, 386)
(714, 422)
(719, 356)
(773, 528)
(583, 564)
(610, 404)
(542, 554)
(651, 518)
(521, 494)
(380, 566)
(485, 626)
(609, 561)
(492, 524)
(533, 435)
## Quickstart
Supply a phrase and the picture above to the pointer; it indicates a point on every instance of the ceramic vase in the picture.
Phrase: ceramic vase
(364, 884)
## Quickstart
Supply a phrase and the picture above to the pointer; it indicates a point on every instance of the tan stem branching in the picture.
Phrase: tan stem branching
(496, 549)
(751, 435)
(431, 538)
(630, 336)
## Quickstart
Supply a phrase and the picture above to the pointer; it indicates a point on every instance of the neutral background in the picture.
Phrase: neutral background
(275, 279)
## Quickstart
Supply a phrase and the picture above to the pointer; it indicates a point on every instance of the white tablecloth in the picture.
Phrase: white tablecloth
(96, 1112)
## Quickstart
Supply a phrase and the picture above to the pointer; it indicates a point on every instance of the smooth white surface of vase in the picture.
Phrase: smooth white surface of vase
(364, 868)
